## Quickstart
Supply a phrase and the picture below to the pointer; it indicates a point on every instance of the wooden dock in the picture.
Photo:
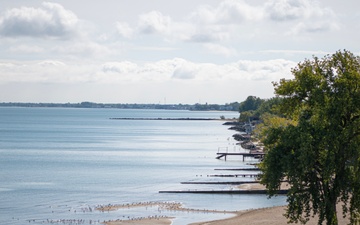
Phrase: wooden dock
(259, 155)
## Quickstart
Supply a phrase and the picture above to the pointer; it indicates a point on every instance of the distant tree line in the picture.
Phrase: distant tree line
(196, 107)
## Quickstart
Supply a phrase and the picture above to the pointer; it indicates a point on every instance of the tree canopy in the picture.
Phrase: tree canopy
(316, 146)
(254, 107)
(251, 103)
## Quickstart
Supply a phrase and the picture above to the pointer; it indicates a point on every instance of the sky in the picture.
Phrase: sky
(164, 52)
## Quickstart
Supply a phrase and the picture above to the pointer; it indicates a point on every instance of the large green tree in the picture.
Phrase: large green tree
(251, 103)
(318, 152)
(249, 107)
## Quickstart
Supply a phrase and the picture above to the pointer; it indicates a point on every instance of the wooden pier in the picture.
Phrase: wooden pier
(259, 155)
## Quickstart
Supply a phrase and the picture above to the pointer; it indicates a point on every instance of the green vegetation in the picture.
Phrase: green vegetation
(312, 135)
(250, 104)
(253, 108)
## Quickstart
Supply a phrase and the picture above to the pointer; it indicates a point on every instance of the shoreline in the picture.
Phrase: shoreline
(154, 220)
(262, 216)
(266, 216)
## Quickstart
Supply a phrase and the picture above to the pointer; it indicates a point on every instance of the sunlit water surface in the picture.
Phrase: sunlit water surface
(60, 163)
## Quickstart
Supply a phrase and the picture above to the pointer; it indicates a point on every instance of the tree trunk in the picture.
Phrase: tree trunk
(331, 215)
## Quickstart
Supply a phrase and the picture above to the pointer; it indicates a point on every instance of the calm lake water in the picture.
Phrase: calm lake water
(59, 163)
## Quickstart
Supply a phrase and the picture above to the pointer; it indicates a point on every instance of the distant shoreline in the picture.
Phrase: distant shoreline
(234, 107)
(132, 118)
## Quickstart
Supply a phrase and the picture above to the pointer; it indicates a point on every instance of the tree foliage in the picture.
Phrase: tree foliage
(246, 116)
(269, 106)
(251, 103)
(254, 107)
(317, 147)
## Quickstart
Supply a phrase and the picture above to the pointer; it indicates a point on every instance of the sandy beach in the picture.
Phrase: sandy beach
(266, 216)
(263, 216)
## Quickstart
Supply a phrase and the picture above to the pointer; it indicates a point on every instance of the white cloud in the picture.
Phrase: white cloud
(271, 70)
(265, 70)
(204, 25)
(229, 27)
(184, 73)
(160, 70)
(185, 70)
(126, 81)
(157, 48)
(284, 10)
(227, 12)
(223, 22)
(5, 65)
(53, 20)
(313, 26)
(120, 67)
(210, 34)
(122, 71)
(51, 63)
(124, 29)
(154, 22)
(209, 24)
(306, 15)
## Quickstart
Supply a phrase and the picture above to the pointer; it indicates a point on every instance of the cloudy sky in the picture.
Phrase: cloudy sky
(161, 51)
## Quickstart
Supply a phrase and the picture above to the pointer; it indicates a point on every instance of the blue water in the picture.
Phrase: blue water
(59, 163)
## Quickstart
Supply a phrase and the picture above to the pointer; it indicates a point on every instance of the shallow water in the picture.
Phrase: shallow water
(57, 163)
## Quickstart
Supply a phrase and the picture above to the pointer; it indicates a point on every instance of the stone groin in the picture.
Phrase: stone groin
(279, 192)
